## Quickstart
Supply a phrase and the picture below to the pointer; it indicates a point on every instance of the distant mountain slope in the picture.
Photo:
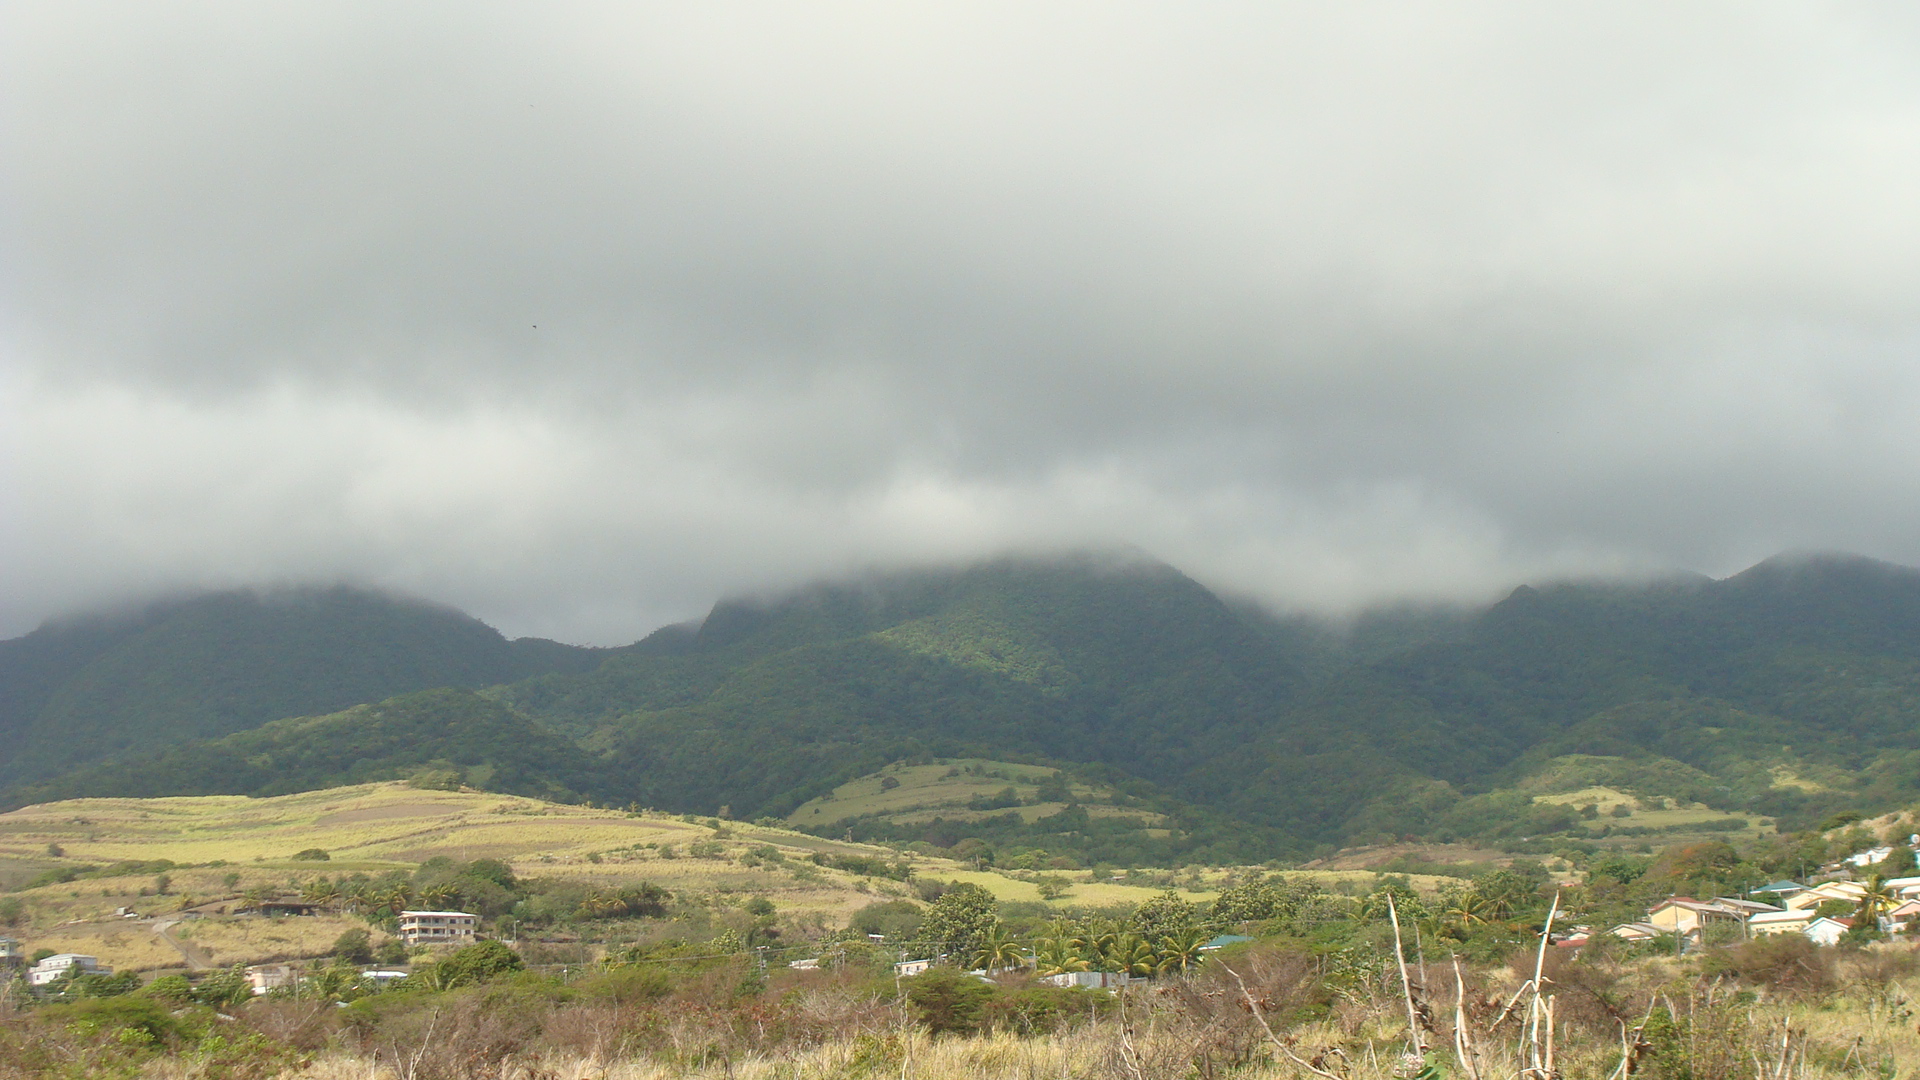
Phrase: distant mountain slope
(200, 667)
(1800, 665)
(1789, 691)
(458, 732)
(1119, 661)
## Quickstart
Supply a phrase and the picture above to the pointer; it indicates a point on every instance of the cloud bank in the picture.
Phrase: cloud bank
(579, 315)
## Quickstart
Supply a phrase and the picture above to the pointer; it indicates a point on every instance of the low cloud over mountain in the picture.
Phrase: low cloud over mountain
(579, 314)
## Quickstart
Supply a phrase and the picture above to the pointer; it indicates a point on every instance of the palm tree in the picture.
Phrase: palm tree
(1129, 954)
(439, 894)
(1180, 950)
(320, 892)
(998, 951)
(1062, 952)
(1876, 901)
(1467, 910)
(395, 898)
(602, 904)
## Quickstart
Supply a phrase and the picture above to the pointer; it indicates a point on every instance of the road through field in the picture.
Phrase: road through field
(196, 958)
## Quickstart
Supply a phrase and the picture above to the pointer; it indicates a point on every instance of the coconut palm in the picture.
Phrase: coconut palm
(1180, 950)
(394, 898)
(320, 892)
(1876, 901)
(440, 894)
(1467, 910)
(602, 904)
(1062, 952)
(998, 951)
(1128, 954)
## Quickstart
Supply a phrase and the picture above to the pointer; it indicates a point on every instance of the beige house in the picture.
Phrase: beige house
(265, 977)
(1849, 891)
(1687, 917)
(1790, 921)
(438, 927)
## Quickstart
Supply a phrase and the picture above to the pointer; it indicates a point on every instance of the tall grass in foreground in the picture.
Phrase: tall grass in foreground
(1768, 1010)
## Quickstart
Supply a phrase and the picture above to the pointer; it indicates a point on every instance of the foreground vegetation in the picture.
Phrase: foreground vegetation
(1364, 976)
(1282, 1008)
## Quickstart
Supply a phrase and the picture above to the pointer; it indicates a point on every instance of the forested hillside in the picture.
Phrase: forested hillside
(81, 690)
(438, 738)
(1789, 692)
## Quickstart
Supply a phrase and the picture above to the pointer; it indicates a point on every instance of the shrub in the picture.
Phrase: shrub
(128, 1020)
(228, 987)
(354, 946)
(172, 989)
(948, 1000)
(477, 963)
(1039, 1009)
(1786, 962)
(312, 854)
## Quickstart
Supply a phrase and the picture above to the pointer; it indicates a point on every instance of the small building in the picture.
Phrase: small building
(1782, 889)
(1573, 939)
(1904, 887)
(438, 927)
(1636, 931)
(1827, 930)
(1868, 857)
(59, 966)
(381, 978)
(1688, 917)
(1090, 980)
(1849, 891)
(907, 968)
(1901, 919)
(266, 977)
(812, 963)
(1744, 907)
(1792, 920)
(1223, 941)
(12, 953)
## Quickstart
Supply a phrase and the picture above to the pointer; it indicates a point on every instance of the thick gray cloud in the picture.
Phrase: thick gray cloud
(578, 315)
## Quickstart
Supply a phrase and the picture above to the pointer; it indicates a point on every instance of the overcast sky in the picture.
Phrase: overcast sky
(579, 316)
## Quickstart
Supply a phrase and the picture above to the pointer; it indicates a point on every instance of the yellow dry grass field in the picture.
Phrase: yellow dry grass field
(919, 787)
(123, 946)
(920, 793)
(254, 940)
(1663, 814)
(226, 846)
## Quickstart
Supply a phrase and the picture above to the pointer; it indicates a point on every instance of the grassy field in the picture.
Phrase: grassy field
(225, 846)
(1664, 814)
(913, 793)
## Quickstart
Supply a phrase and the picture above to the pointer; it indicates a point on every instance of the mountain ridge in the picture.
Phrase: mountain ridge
(1276, 734)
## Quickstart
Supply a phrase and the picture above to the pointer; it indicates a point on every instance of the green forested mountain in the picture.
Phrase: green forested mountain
(449, 735)
(1124, 663)
(81, 690)
(1791, 690)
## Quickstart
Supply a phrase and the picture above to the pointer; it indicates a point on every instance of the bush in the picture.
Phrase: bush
(228, 987)
(477, 963)
(128, 1020)
(175, 990)
(355, 946)
(1039, 1009)
(948, 1000)
(1787, 962)
(312, 854)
